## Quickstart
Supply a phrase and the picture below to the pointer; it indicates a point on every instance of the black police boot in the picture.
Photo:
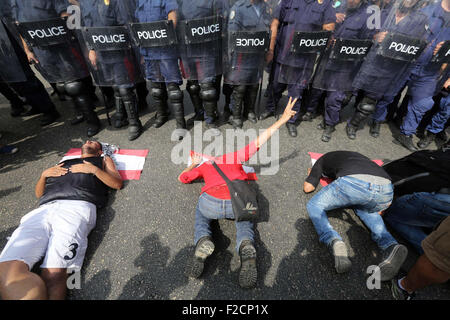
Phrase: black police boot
(135, 126)
(93, 123)
(193, 88)
(248, 273)
(375, 128)
(364, 109)
(159, 94)
(238, 99)
(227, 91)
(308, 116)
(292, 129)
(405, 141)
(208, 94)
(79, 118)
(326, 136)
(50, 117)
(249, 103)
(17, 107)
(426, 140)
(266, 115)
(321, 125)
(176, 100)
(120, 117)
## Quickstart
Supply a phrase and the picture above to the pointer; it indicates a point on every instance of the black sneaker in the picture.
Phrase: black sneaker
(308, 116)
(393, 258)
(398, 293)
(428, 138)
(341, 261)
(292, 129)
(203, 249)
(327, 133)
(248, 273)
(351, 131)
(266, 115)
(375, 129)
(405, 141)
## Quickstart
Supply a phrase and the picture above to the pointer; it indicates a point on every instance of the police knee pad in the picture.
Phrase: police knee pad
(367, 106)
(174, 93)
(208, 92)
(127, 94)
(74, 88)
(60, 88)
(158, 92)
(193, 87)
(240, 90)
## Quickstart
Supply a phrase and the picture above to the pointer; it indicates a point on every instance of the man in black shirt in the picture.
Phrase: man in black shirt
(362, 185)
(57, 230)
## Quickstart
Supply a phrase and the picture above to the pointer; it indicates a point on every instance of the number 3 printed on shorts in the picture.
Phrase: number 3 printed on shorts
(73, 249)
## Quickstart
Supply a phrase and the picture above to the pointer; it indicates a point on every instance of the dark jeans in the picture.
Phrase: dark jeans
(410, 213)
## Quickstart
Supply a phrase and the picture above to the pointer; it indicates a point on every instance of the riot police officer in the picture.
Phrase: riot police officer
(61, 62)
(293, 69)
(114, 64)
(426, 73)
(248, 50)
(388, 64)
(340, 63)
(200, 30)
(17, 74)
(161, 64)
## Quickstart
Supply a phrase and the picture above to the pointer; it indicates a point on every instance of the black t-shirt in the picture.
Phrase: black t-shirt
(338, 164)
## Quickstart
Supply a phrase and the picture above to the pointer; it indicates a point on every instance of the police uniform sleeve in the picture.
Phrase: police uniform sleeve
(60, 6)
(329, 15)
(234, 23)
(14, 10)
(171, 5)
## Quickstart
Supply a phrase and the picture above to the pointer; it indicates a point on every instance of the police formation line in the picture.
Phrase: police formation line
(312, 49)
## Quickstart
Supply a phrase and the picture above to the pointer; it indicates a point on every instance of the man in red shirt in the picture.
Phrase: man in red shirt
(215, 203)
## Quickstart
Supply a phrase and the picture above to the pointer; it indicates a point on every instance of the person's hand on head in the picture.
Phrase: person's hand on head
(55, 171)
(288, 113)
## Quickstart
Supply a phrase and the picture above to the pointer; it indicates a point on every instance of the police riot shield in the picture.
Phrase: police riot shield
(247, 43)
(299, 54)
(56, 49)
(200, 31)
(10, 66)
(111, 56)
(340, 63)
(397, 46)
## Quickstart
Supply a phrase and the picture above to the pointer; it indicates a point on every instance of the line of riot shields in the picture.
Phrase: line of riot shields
(228, 40)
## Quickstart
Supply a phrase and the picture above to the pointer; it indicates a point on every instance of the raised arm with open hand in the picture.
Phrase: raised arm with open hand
(287, 114)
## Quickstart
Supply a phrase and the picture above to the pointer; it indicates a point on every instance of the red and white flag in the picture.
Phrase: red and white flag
(326, 181)
(129, 163)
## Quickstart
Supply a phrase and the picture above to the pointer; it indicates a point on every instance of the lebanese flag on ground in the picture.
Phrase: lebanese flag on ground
(129, 163)
(251, 174)
(326, 181)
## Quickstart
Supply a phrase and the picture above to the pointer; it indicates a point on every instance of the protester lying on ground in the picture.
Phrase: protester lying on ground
(364, 186)
(57, 230)
(432, 267)
(422, 194)
(215, 203)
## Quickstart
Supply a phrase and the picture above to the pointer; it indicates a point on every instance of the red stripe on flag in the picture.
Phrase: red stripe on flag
(130, 174)
(131, 152)
(73, 152)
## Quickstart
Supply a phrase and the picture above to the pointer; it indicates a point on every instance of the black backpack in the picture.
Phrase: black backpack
(243, 197)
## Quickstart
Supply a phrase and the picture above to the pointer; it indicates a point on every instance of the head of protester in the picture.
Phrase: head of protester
(359, 184)
(69, 195)
(217, 202)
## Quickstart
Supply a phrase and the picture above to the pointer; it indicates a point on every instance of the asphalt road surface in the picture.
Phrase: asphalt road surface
(144, 237)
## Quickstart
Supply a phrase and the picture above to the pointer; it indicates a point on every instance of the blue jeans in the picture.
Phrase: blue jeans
(412, 212)
(210, 208)
(367, 199)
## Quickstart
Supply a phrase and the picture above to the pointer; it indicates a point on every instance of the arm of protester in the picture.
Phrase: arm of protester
(191, 173)
(287, 114)
(314, 176)
(172, 16)
(109, 176)
(52, 172)
(329, 26)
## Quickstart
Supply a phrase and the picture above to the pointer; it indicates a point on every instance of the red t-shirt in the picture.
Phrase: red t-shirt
(230, 164)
